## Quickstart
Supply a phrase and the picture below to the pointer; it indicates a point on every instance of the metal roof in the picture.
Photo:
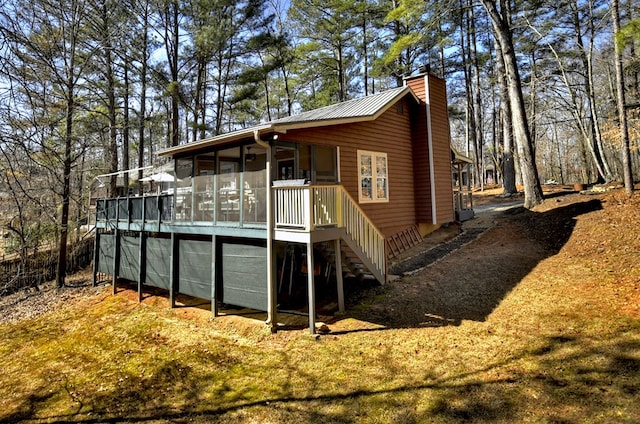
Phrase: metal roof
(358, 110)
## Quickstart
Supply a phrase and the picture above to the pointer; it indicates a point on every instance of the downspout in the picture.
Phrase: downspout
(432, 175)
(272, 321)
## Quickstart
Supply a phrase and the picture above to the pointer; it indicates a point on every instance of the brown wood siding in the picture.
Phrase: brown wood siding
(441, 134)
(417, 85)
(390, 134)
(422, 176)
(441, 145)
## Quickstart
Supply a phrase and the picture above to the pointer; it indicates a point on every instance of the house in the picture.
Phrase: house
(462, 186)
(316, 194)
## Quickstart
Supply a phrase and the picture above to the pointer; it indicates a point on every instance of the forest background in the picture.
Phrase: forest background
(90, 87)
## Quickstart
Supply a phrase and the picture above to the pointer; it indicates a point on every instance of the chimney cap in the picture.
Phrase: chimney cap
(424, 69)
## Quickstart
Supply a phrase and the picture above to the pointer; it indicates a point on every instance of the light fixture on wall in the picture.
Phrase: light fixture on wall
(249, 157)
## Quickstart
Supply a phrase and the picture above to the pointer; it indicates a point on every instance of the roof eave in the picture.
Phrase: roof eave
(212, 141)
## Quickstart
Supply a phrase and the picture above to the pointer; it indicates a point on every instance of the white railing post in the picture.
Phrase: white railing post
(363, 232)
(308, 205)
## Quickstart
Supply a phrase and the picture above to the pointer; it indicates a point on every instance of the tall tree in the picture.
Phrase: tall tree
(565, 42)
(44, 39)
(499, 15)
(622, 111)
(103, 27)
(416, 30)
(508, 163)
(328, 29)
(140, 47)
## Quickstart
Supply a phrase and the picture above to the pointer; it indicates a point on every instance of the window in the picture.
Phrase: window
(373, 177)
(325, 165)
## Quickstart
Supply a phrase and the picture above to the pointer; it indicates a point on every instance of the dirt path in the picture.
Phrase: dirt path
(467, 277)
(465, 285)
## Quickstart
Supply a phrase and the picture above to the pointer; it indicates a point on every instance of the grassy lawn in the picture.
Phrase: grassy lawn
(536, 321)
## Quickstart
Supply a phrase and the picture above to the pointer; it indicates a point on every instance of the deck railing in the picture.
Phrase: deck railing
(311, 207)
(156, 208)
(363, 232)
(299, 208)
(306, 207)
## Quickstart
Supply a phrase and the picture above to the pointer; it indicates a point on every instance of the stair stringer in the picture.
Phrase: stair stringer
(377, 274)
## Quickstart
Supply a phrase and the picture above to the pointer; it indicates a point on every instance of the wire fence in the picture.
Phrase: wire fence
(16, 274)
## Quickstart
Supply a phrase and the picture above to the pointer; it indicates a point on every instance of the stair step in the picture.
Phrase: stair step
(351, 265)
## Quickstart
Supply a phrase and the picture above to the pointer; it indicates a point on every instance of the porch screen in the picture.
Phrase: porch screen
(158, 263)
(129, 258)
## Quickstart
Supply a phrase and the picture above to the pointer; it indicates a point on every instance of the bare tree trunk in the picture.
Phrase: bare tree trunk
(198, 97)
(622, 112)
(533, 86)
(365, 53)
(171, 40)
(595, 137)
(203, 106)
(477, 98)
(508, 165)
(61, 271)
(111, 111)
(528, 170)
(126, 130)
(342, 95)
(143, 92)
(470, 113)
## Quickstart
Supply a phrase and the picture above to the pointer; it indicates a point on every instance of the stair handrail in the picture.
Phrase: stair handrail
(362, 231)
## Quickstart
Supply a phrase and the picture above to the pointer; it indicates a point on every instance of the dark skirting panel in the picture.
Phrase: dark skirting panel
(158, 262)
(194, 268)
(106, 253)
(244, 274)
(129, 258)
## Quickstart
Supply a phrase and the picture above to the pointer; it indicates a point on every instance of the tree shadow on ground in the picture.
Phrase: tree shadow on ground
(565, 380)
(471, 283)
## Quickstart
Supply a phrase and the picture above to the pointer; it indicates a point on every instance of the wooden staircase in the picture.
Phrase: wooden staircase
(352, 266)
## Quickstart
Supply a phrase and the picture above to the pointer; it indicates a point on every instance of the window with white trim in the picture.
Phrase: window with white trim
(373, 181)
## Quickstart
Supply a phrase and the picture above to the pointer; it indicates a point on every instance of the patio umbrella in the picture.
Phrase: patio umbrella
(160, 177)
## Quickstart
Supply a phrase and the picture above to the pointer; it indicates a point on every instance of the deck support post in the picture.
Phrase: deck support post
(339, 282)
(173, 268)
(214, 300)
(96, 255)
(116, 260)
(311, 289)
(142, 263)
(116, 253)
